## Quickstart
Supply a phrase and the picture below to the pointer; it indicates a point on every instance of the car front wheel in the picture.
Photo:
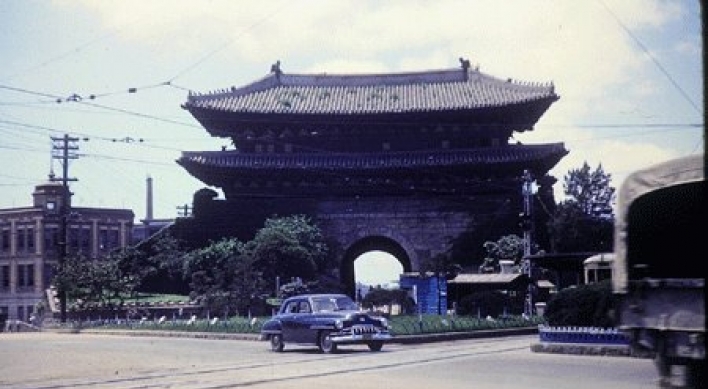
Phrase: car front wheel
(276, 342)
(375, 346)
(325, 343)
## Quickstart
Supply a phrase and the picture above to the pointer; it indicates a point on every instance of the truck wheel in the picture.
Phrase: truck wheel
(276, 343)
(695, 374)
(663, 368)
(324, 342)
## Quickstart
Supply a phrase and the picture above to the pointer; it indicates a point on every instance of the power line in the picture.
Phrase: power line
(653, 59)
(77, 99)
(227, 44)
(76, 49)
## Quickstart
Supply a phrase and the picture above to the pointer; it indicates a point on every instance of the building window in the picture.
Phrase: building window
(113, 239)
(103, 239)
(49, 272)
(85, 239)
(288, 148)
(5, 240)
(30, 276)
(386, 146)
(73, 239)
(445, 144)
(30, 239)
(25, 276)
(5, 277)
(51, 234)
(21, 239)
(108, 239)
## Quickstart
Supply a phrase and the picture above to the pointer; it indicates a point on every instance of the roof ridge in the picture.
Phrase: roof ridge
(406, 91)
(372, 79)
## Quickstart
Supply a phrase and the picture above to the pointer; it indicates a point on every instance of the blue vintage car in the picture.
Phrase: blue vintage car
(326, 321)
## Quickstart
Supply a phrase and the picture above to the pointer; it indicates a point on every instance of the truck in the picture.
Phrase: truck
(658, 278)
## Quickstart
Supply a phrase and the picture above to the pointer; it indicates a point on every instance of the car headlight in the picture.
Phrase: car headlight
(384, 322)
(338, 324)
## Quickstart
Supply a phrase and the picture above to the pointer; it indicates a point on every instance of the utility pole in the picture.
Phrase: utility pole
(184, 211)
(527, 226)
(64, 149)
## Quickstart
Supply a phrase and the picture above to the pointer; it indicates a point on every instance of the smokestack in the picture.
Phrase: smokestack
(148, 216)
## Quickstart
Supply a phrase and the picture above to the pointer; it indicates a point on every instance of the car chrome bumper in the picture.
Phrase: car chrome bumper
(361, 338)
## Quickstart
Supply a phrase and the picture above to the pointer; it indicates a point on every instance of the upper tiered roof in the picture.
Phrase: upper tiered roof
(459, 89)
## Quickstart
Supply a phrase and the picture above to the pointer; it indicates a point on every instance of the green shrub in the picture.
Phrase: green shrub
(582, 306)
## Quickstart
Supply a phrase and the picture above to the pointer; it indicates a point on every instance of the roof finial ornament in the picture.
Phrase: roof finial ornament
(275, 68)
(465, 63)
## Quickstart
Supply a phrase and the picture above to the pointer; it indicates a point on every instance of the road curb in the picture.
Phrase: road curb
(399, 339)
(538, 347)
(448, 336)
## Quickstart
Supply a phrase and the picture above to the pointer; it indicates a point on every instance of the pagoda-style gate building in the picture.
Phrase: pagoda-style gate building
(414, 164)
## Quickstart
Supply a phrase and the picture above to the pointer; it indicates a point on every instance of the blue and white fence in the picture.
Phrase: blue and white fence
(591, 335)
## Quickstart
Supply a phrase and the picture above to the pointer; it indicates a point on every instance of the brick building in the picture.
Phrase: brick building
(30, 244)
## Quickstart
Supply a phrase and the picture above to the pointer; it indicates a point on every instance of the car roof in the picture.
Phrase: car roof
(311, 295)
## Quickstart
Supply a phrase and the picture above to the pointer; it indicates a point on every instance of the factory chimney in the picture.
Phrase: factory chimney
(149, 216)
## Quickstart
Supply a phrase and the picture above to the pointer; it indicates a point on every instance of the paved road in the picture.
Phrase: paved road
(51, 360)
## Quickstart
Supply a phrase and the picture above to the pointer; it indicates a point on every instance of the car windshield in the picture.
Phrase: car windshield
(333, 303)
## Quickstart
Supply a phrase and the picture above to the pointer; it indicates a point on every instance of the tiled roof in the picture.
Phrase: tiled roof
(493, 278)
(363, 161)
(443, 90)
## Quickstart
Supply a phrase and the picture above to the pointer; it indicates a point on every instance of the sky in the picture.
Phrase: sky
(629, 74)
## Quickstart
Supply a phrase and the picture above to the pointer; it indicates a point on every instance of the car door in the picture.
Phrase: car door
(301, 323)
(288, 318)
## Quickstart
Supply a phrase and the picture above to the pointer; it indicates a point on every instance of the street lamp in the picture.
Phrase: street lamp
(527, 190)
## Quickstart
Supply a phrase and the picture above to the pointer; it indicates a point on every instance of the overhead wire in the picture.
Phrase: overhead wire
(82, 100)
(646, 51)
(76, 49)
(226, 44)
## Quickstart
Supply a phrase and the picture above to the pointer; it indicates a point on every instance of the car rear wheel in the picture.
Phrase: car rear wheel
(324, 342)
(375, 346)
(276, 342)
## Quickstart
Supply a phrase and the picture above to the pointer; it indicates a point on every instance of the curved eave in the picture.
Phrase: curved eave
(212, 167)
(518, 116)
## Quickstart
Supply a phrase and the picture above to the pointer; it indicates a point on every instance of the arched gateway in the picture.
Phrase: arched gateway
(414, 164)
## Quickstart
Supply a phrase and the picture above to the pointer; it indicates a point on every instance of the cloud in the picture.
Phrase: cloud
(589, 51)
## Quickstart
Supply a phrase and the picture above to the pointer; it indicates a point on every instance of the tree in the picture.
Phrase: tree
(508, 247)
(441, 265)
(230, 275)
(308, 236)
(223, 277)
(590, 191)
(160, 260)
(95, 281)
(288, 248)
(377, 297)
(585, 220)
